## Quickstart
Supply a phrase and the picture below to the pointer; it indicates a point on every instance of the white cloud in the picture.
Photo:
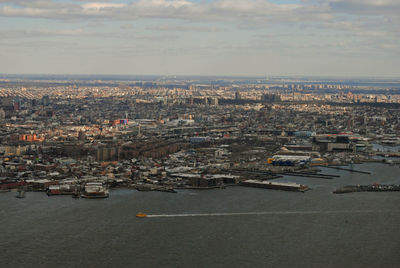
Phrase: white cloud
(163, 4)
(99, 6)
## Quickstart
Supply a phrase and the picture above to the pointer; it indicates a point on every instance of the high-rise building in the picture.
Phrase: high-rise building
(2, 115)
(270, 98)
(45, 100)
(237, 95)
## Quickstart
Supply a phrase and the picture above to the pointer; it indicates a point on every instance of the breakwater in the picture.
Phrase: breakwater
(367, 188)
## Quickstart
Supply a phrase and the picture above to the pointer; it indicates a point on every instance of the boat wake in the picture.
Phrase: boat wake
(317, 212)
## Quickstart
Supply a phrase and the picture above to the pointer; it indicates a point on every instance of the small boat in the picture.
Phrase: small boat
(95, 190)
(76, 195)
(141, 215)
(21, 194)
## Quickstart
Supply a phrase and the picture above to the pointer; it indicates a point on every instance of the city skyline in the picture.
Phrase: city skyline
(179, 37)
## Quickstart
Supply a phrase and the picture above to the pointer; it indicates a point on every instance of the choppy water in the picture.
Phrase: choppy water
(312, 229)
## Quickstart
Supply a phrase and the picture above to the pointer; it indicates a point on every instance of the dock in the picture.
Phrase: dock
(349, 169)
(309, 175)
(275, 175)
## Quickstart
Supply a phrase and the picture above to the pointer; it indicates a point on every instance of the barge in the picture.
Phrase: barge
(285, 186)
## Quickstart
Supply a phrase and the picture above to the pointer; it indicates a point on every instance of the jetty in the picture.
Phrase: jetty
(349, 169)
(368, 188)
(278, 174)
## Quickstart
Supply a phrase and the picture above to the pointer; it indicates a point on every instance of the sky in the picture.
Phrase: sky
(202, 37)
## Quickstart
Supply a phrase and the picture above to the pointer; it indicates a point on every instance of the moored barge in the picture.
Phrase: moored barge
(285, 186)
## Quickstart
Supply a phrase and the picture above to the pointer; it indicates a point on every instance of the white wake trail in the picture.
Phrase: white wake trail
(271, 213)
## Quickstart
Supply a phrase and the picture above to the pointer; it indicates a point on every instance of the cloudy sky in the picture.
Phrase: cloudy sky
(201, 37)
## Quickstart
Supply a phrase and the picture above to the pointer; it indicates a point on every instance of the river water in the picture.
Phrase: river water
(311, 229)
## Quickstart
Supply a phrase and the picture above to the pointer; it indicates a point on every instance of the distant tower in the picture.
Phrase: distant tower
(45, 100)
(350, 124)
(81, 135)
(237, 95)
(17, 104)
(215, 101)
(2, 115)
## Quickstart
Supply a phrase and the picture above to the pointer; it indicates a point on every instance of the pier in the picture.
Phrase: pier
(309, 175)
(275, 175)
(349, 169)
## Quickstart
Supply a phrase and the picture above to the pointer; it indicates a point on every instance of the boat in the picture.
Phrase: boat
(21, 194)
(141, 215)
(166, 189)
(95, 190)
(62, 189)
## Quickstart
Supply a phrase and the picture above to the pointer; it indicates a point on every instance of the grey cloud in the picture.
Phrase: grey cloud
(79, 33)
(184, 28)
(219, 10)
(243, 14)
(367, 7)
(6, 34)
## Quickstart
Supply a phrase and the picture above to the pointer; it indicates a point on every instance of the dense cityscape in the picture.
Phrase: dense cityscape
(83, 137)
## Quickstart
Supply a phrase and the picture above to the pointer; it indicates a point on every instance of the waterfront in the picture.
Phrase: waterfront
(41, 231)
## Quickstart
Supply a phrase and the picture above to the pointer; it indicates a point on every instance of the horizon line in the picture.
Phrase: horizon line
(264, 77)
